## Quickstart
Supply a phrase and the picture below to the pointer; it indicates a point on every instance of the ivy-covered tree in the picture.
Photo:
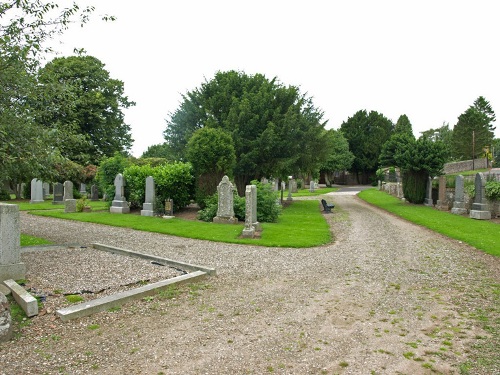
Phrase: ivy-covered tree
(275, 129)
(339, 158)
(473, 131)
(366, 133)
(83, 109)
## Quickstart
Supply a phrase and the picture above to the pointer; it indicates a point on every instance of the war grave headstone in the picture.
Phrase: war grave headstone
(83, 190)
(58, 193)
(36, 191)
(148, 206)
(459, 201)
(249, 230)
(225, 208)
(441, 203)
(11, 266)
(428, 196)
(94, 193)
(45, 189)
(68, 190)
(480, 208)
(119, 205)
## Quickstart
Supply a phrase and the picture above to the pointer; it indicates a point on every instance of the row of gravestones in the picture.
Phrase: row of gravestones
(480, 208)
(62, 192)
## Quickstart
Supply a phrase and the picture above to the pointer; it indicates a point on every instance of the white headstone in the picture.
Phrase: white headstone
(148, 206)
(36, 191)
(11, 266)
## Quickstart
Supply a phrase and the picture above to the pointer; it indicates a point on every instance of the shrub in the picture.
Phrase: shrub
(4, 195)
(267, 208)
(81, 204)
(493, 190)
(135, 183)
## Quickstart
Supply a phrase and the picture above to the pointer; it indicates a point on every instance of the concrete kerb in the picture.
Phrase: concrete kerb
(115, 300)
(118, 299)
(164, 261)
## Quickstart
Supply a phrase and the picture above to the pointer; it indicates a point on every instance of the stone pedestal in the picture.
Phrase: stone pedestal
(119, 207)
(480, 212)
(480, 208)
(225, 220)
(11, 266)
(458, 208)
(147, 209)
(429, 202)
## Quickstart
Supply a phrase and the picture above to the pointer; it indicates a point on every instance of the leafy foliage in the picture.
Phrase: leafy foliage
(107, 171)
(158, 151)
(276, 130)
(366, 133)
(339, 156)
(492, 190)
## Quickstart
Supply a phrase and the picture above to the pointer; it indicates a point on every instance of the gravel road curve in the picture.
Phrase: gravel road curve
(386, 297)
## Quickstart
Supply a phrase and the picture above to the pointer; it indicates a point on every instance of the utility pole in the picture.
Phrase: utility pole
(473, 148)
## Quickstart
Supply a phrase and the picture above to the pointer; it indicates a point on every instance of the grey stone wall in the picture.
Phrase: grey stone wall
(465, 165)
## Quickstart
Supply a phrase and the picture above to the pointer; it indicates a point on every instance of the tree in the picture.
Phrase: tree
(85, 116)
(418, 160)
(403, 125)
(160, 150)
(339, 158)
(443, 134)
(473, 131)
(276, 130)
(395, 144)
(211, 153)
(366, 133)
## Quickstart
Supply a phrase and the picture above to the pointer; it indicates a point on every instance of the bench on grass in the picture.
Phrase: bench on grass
(327, 207)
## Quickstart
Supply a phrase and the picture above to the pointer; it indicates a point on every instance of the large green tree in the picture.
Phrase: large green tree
(339, 157)
(443, 134)
(473, 131)
(83, 108)
(366, 133)
(276, 130)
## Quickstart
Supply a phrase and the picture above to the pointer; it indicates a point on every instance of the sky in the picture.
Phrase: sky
(427, 59)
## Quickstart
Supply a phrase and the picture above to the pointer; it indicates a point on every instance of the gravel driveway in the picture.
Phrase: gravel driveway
(387, 297)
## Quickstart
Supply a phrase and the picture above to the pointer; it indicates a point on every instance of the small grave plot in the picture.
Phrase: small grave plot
(54, 274)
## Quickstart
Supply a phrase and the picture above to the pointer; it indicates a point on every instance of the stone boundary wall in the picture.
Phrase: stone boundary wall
(465, 165)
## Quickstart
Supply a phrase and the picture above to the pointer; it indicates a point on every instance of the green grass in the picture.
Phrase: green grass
(33, 241)
(307, 193)
(300, 225)
(482, 234)
(25, 205)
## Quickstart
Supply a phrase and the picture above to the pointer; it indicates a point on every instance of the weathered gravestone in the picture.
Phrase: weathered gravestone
(290, 188)
(249, 230)
(428, 197)
(36, 191)
(255, 223)
(148, 206)
(459, 201)
(169, 208)
(225, 207)
(11, 266)
(441, 203)
(480, 208)
(83, 190)
(94, 193)
(119, 205)
(311, 186)
(294, 186)
(45, 189)
(68, 190)
(58, 193)
(5, 320)
(70, 206)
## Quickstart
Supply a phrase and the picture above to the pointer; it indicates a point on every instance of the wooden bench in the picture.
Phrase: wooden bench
(327, 207)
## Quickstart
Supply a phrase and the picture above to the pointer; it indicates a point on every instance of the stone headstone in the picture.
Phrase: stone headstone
(46, 189)
(379, 184)
(480, 208)
(249, 230)
(459, 201)
(441, 203)
(293, 185)
(70, 205)
(290, 188)
(58, 193)
(83, 189)
(312, 186)
(36, 191)
(169, 208)
(428, 197)
(94, 193)
(68, 190)
(148, 206)
(11, 266)
(5, 320)
(255, 222)
(119, 205)
(225, 207)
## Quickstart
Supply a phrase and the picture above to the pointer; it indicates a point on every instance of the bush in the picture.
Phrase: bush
(211, 205)
(4, 195)
(267, 208)
(493, 190)
(135, 183)
(81, 204)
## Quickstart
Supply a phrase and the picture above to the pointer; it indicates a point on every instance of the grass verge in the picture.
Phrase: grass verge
(307, 193)
(25, 205)
(481, 234)
(300, 225)
(27, 240)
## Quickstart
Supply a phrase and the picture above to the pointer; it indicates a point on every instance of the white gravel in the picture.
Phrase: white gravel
(387, 297)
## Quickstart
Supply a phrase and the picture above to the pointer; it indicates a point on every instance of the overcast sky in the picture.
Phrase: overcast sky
(427, 59)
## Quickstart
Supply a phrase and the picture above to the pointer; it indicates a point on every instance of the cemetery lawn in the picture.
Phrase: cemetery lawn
(307, 193)
(25, 205)
(33, 241)
(300, 225)
(482, 234)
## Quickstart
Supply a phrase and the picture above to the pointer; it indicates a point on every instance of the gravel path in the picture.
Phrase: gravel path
(387, 297)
